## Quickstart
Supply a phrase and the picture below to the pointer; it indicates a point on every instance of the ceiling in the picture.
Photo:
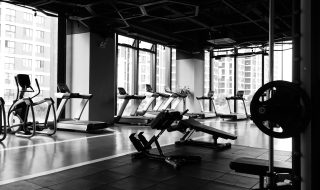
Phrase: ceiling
(184, 24)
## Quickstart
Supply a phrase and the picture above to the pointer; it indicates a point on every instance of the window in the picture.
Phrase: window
(9, 62)
(17, 30)
(11, 15)
(10, 31)
(40, 79)
(250, 80)
(27, 47)
(125, 68)
(39, 49)
(283, 61)
(222, 80)
(162, 68)
(8, 78)
(27, 32)
(173, 70)
(39, 64)
(137, 66)
(9, 94)
(40, 34)
(206, 89)
(10, 46)
(27, 63)
(144, 71)
(145, 45)
(27, 17)
(125, 40)
(40, 20)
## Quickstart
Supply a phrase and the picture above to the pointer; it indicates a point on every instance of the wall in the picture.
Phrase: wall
(190, 69)
(90, 69)
(102, 78)
(78, 67)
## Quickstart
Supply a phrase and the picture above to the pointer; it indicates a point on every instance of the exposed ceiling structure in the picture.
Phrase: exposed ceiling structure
(186, 24)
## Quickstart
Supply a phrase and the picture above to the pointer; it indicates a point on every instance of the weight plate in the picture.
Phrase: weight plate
(280, 109)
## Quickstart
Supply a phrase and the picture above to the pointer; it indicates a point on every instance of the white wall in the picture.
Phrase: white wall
(190, 75)
(78, 61)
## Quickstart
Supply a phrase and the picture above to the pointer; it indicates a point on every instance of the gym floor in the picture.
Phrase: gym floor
(101, 160)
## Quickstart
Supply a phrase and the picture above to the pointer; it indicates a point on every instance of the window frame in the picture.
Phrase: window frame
(137, 50)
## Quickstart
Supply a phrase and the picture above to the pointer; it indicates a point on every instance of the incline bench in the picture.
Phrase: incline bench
(259, 167)
(190, 126)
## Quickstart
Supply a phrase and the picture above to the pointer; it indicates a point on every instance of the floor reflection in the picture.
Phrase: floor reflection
(21, 157)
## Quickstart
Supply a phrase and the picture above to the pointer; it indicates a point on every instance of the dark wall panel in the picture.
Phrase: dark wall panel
(102, 78)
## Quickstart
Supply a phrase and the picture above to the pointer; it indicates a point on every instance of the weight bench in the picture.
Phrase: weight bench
(189, 126)
(259, 167)
(162, 122)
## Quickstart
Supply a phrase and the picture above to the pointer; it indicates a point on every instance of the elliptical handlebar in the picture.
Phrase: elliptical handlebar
(38, 86)
(18, 90)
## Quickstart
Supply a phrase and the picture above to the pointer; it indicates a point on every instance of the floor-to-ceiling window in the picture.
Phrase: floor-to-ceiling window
(28, 45)
(252, 63)
(283, 61)
(249, 75)
(140, 63)
(222, 78)
(282, 69)
(125, 63)
(173, 69)
(145, 66)
(206, 89)
(162, 68)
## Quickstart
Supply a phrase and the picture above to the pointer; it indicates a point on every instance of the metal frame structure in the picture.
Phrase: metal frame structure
(263, 53)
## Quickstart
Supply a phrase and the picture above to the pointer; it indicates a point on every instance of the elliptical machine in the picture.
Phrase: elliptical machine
(3, 130)
(21, 116)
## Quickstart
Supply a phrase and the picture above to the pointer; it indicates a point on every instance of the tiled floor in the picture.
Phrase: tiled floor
(73, 160)
(125, 173)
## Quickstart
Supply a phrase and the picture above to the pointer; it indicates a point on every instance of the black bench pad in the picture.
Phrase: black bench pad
(259, 167)
(193, 124)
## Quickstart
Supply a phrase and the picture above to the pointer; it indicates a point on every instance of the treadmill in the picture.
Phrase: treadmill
(136, 117)
(174, 99)
(236, 116)
(75, 123)
(203, 114)
(162, 101)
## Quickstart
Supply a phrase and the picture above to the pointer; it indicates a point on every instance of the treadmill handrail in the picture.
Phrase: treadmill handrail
(165, 95)
(235, 98)
(136, 97)
(73, 95)
(204, 98)
(182, 95)
(151, 94)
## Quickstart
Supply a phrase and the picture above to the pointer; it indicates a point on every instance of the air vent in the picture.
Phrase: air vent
(222, 41)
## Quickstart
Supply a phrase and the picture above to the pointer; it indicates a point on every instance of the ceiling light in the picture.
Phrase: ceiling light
(221, 41)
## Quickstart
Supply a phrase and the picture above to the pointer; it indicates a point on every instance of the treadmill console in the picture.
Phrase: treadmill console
(240, 93)
(210, 93)
(149, 88)
(122, 91)
(63, 88)
(167, 89)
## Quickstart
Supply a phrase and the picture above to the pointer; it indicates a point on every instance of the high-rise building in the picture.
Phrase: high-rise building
(248, 73)
(28, 42)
